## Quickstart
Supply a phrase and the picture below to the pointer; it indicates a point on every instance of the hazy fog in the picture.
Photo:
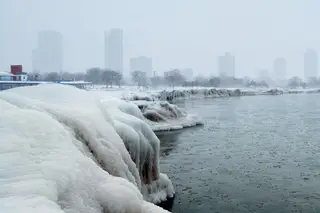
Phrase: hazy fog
(175, 33)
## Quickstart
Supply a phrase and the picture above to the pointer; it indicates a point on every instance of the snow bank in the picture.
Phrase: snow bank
(64, 150)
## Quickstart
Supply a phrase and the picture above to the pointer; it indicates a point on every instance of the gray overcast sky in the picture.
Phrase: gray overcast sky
(175, 33)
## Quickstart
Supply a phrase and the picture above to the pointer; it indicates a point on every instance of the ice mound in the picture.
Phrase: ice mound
(162, 116)
(63, 150)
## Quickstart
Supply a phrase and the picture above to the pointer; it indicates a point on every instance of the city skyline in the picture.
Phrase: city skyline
(114, 44)
(140, 62)
(172, 40)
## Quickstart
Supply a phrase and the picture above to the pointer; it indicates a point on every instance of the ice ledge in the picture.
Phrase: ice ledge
(61, 152)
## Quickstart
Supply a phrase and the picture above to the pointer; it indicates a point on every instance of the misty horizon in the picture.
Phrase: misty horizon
(174, 34)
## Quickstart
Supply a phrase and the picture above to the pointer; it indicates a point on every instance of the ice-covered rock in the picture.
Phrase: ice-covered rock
(64, 150)
(163, 116)
(159, 115)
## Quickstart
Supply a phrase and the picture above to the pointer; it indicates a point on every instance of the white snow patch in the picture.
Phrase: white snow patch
(63, 150)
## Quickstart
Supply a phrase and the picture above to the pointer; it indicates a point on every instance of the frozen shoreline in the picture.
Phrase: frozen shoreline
(163, 116)
(131, 93)
(63, 149)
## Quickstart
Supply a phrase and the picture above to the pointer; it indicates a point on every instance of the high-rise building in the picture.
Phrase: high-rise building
(48, 55)
(280, 68)
(114, 50)
(143, 64)
(35, 60)
(310, 64)
(226, 65)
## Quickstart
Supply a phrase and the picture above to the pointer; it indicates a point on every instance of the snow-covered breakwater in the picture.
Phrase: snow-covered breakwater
(133, 94)
(64, 150)
(219, 92)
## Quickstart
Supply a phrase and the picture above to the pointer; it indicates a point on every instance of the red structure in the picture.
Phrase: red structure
(16, 70)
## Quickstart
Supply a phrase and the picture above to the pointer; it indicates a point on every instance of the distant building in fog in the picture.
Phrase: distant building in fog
(263, 74)
(310, 64)
(114, 50)
(226, 65)
(48, 55)
(143, 64)
(187, 73)
(280, 68)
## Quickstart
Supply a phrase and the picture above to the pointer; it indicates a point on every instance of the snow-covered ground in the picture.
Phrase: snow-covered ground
(67, 150)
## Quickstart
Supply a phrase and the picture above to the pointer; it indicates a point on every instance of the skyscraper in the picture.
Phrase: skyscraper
(280, 68)
(143, 64)
(48, 55)
(114, 50)
(310, 64)
(226, 65)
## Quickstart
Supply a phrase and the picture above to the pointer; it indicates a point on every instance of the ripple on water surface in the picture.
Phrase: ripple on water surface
(254, 154)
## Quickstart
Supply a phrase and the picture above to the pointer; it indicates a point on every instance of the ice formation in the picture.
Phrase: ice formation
(64, 150)
(160, 115)
(163, 116)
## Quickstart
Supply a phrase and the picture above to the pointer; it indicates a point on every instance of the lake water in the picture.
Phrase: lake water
(254, 154)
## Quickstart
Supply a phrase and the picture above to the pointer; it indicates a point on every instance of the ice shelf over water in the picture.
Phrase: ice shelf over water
(63, 149)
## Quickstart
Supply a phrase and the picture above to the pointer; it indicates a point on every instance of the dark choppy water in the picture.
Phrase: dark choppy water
(254, 154)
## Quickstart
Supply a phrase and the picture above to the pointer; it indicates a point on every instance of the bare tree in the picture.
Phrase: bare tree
(52, 76)
(34, 76)
(174, 77)
(117, 77)
(313, 82)
(66, 76)
(156, 81)
(214, 82)
(94, 75)
(110, 77)
(140, 78)
(79, 76)
(295, 82)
